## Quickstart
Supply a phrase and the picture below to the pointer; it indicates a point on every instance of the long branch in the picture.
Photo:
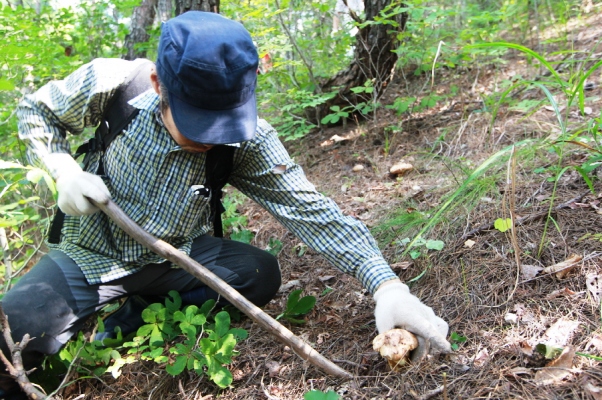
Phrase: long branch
(170, 253)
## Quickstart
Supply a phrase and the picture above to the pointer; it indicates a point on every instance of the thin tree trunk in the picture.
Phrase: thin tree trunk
(196, 5)
(142, 20)
(374, 59)
(164, 10)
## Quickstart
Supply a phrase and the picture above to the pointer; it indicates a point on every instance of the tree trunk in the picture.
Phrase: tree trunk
(196, 5)
(164, 10)
(374, 59)
(142, 20)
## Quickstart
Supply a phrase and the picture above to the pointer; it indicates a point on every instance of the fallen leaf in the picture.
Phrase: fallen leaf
(481, 358)
(401, 266)
(561, 332)
(593, 390)
(511, 318)
(526, 348)
(289, 285)
(469, 243)
(516, 371)
(325, 278)
(561, 269)
(322, 336)
(594, 285)
(273, 368)
(529, 271)
(560, 293)
(556, 370)
(595, 342)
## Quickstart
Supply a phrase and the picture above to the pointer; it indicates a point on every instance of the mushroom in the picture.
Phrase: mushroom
(395, 346)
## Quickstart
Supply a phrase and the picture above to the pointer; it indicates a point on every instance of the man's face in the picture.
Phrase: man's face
(185, 143)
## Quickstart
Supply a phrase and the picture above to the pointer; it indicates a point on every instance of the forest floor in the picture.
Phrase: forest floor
(492, 289)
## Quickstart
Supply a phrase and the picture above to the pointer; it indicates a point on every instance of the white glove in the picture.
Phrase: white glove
(75, 186)
(396, 307)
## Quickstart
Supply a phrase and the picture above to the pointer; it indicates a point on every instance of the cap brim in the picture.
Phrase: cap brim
(215, 126)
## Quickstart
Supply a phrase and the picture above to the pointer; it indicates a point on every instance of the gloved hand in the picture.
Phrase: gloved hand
(396, 307)
(74, 186)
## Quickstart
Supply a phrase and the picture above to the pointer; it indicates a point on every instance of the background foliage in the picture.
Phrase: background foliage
(42, 43)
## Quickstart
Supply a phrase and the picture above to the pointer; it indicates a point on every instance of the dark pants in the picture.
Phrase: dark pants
(53, 300)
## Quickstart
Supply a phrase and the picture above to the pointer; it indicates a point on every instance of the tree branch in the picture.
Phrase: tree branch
(16, 368)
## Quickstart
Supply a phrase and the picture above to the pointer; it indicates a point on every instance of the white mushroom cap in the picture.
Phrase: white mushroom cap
(395, 346)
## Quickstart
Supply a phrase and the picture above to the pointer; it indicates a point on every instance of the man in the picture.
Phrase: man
(203, 95)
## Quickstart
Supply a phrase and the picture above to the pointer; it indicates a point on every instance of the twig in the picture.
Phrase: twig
(272, 326)
(511, 180)
(525, 219)
(16, 368)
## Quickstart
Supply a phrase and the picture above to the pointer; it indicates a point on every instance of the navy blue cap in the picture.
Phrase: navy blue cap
(208, 64)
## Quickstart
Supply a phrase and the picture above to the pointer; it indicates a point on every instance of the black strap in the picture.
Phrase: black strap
(54, 234)
(218, 169)
(116, 117)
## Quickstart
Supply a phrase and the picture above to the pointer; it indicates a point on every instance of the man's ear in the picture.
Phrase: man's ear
(155, 81)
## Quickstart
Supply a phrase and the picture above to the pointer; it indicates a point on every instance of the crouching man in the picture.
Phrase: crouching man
(202, 98)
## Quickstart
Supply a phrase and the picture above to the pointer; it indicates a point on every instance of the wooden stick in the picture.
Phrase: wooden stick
(16, 368)
(170, 253)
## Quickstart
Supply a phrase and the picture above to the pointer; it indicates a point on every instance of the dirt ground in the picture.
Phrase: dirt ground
(492, 291)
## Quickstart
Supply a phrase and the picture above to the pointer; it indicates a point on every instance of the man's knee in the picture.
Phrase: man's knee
(267, 280)
(36, 310)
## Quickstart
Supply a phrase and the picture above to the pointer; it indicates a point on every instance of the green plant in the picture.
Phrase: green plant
(297, 306)
(503, 224)
(274, 246)
(429, 244)
(336, 115)
(197, 343)
(456, 340)
(233, 221)
(319, 395)
(572, 90)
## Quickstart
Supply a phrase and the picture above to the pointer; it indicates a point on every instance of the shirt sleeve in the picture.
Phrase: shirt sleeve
(68, 106)
(265, 172)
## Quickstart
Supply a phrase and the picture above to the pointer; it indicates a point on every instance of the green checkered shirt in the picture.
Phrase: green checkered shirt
(150, 178)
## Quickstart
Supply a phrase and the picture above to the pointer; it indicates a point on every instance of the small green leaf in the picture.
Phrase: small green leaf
(434, 244)
(145, 330)
(548, 351)
(6, 85)
(178, 366)
(502, 224)
(222, 323)
(319, 395)
(303, 306)
(244, 236)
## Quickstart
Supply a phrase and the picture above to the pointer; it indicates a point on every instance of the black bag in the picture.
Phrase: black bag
(117, 116)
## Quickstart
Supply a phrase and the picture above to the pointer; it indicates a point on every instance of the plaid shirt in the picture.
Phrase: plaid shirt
(150, 178)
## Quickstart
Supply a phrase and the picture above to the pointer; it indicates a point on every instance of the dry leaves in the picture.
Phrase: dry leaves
(561, 332)
(561, 269)
(469, 243)
(595, 343)
(557, 369)
(594, 285)
(593, 390)
(529, 271)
